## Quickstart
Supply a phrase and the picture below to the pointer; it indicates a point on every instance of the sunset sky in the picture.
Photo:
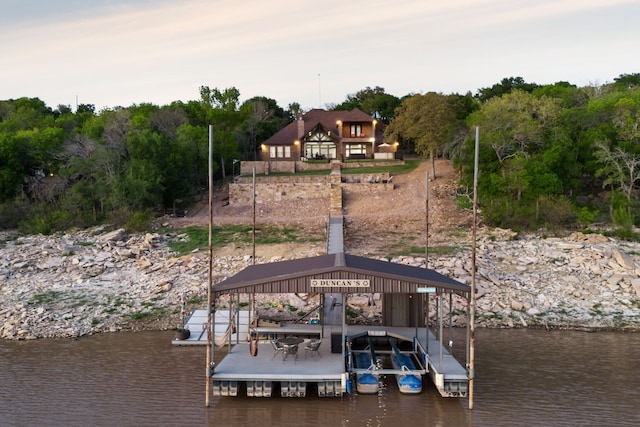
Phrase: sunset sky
(121, 52)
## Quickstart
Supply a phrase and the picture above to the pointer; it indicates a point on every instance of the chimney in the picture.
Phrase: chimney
(300, 126)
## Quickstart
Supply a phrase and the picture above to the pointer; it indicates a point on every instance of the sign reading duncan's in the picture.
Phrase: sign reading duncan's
(339, 283)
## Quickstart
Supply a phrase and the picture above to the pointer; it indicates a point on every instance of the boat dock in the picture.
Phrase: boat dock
(270, 371)
(267, 357)
(326, 371)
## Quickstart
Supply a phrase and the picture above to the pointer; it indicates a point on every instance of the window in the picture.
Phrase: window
(356, 131)
(320, 151)
(280, 151)
(356, 149)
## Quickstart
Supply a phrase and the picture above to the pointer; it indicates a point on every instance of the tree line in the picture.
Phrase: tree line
(550, 155)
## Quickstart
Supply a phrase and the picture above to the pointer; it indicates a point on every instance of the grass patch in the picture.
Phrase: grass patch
(195, 300)
(307, 172)
(596, 310)
(198, 237)
(141, 315)
(400, 249)
(463, 203)
(47, 297)
(409, 166)
(459, 232)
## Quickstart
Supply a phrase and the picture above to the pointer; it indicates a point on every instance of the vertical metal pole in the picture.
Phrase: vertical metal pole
(441, 328)
(451, 322)
(209, 296)
(426, 321)
(231, 320)
(253, 234)
(343, 349)
(472, 298)
(426, 252)
(426, 211)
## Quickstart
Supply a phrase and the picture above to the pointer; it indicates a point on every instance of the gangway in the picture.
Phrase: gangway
(234, 327)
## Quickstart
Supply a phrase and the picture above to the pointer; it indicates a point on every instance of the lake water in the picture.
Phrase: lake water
(523, 378)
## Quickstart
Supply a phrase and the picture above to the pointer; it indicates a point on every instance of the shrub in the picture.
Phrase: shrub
(139, 221)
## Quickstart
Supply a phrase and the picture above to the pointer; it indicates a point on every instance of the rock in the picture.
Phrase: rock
(542, 282)
(114, 236)
(624, 260)
(516, 305)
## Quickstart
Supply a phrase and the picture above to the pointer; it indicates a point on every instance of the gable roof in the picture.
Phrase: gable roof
(295, 276)
(313, 118)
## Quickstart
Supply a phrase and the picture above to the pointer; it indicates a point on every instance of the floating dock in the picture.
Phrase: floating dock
(327, 372)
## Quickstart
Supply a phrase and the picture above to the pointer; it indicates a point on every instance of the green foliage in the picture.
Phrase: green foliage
(623, 218)
(555, 212)
(586, 215)
(374, 102)
(506, 86)
(545, 151)
(429, 121)
(41, 220)
(140, 221)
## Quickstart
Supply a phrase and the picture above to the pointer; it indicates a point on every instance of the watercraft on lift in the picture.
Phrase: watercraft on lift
(367, 382)
(409, 381)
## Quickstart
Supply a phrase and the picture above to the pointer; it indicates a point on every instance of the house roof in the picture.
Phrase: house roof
(315, 117)
(335, 273)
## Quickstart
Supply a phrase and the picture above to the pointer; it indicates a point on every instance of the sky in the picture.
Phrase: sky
(113, 53)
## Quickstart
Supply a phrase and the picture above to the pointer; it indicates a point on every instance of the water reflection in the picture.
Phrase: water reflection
(531, 378)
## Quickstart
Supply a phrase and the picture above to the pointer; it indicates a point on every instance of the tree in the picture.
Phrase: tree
(374, 102)
(620, 168)
(516, 123)
(506, 85)
(262, 118)
(227, 99)
(429, 121)
(627, 81)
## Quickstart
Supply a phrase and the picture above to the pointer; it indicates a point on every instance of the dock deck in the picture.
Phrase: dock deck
(261, 373)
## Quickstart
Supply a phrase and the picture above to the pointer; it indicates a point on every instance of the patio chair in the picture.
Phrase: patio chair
(312, 348)
(290, 350)
(277, 347)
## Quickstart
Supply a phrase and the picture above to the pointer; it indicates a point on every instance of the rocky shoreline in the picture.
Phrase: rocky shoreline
(94, 281)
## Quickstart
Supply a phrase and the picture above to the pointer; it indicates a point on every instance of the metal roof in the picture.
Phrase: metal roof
(337, 273)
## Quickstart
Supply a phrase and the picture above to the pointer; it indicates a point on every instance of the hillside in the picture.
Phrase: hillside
(386, 223)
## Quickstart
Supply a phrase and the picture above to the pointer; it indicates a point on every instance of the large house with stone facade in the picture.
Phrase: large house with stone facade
(328, 135)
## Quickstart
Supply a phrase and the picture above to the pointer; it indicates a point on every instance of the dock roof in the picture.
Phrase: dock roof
(339, 273)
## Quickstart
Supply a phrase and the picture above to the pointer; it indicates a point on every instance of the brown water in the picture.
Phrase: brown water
(524, 378)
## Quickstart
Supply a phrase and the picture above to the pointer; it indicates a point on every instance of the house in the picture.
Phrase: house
(327, 135)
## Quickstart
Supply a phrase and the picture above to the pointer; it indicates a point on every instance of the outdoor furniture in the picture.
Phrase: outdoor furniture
(312, 348)
(290, 346)
(277, 347)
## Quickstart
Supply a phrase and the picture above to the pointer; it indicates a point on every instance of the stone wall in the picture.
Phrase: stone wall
(366, 188)
(277, 188)
(288, 166)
